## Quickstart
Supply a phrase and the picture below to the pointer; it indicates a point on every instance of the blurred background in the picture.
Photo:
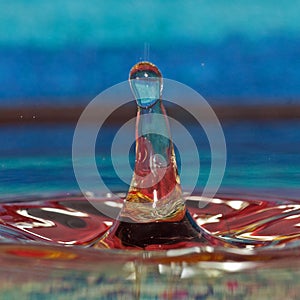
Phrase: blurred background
(242, 56)
(65, 52)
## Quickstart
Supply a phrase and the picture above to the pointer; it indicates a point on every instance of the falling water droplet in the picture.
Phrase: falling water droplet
(146, 84)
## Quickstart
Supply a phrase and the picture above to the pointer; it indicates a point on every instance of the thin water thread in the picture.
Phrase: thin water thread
(146, 51)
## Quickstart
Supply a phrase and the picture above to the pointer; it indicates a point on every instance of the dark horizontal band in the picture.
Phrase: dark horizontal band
(65, 114)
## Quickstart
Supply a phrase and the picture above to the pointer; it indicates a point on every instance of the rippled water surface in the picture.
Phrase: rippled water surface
(257, 206)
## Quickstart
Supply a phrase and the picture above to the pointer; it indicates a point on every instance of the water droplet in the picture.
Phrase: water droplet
(154, 215)
(146, 83)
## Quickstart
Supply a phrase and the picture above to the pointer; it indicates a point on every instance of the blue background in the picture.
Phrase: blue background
(66, 52)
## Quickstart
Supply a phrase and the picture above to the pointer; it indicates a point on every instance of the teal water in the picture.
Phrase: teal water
(262, 157)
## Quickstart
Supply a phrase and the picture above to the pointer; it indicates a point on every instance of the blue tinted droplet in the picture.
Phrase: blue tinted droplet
(146, 84)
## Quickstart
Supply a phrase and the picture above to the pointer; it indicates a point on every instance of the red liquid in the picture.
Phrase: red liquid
(74, 221)
(62, 221)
